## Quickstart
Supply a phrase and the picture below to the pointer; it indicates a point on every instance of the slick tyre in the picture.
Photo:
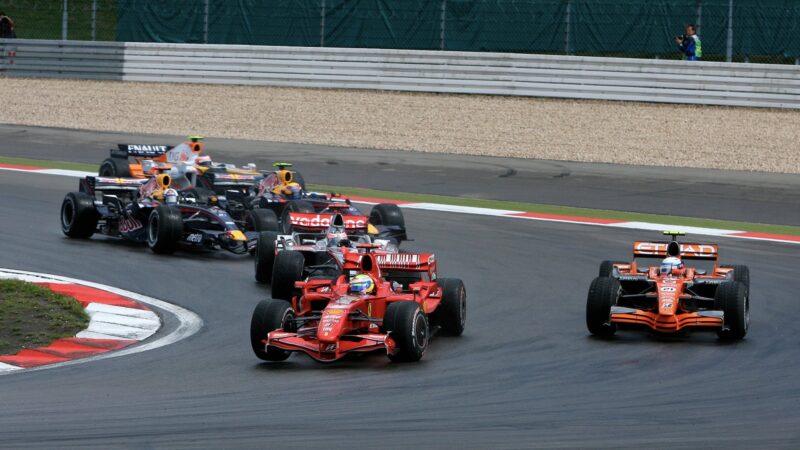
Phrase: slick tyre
(387, 214)
(287, 269)
(261, 219)
(607, 268)
(299, 206)
(265, 256)
(270, 315)
(733, 299)
(407, 325)
(114, 167)
(603, 294)
(451, 315)
(741, 274)
(164, 229)
(78, 215)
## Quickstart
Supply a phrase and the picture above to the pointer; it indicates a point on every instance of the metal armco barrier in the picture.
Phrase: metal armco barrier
(754, 85)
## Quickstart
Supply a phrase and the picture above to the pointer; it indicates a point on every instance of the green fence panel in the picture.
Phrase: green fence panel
(407, 24)
(765, 28)
(505, 25)
(161, 21)
(256, 22)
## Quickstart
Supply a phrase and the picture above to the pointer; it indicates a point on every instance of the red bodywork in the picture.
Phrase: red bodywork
(338, 322)
(671, 308)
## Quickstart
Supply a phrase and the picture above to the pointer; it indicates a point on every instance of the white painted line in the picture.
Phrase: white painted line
(662, 227)
(66, 173)
(121, 311)
(30, 278)
(92, 335)
(8, 368)
(189, 323)
(115, 329)
(126, 321)
(459, 209)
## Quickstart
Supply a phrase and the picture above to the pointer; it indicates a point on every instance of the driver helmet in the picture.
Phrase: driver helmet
(669, 264)
(335, 237)
(362, 284)
(203, 160)
(171, 196)
(294, 191)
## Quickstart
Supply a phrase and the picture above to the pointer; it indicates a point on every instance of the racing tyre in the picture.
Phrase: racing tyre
(265, 256)
(387, 214)
(287, 269)
(607, 268)
(734, 301)
(299, 206)
(114, 167)
(451, 314)
(741, 274)
(270, 315)
(78, 215)
(297, 177)
(603, 294)
(164, 229)
(201, 196)
(261, 219)
(407, 324)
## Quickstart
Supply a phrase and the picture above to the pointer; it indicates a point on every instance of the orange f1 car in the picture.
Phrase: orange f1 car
(668, 288)
(361, 311)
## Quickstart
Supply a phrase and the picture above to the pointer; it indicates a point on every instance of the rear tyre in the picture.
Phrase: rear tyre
(741, 274)
(270, 315)
(78, 215)
(265, 256)
(261, 219)
(164, 229)
(607, 268)
(407, 325)
(451, 314)
(115, 167)
(287, 269)
(387, 214)
(299, 206)
(603, 294)
(734, 301)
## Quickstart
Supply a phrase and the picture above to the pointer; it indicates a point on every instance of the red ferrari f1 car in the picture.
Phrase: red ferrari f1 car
(361, 311)
(670, 287)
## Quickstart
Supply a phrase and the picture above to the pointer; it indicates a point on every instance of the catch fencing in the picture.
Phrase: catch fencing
(755, 85)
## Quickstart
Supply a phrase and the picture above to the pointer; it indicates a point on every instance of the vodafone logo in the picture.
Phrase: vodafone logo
(319, 221)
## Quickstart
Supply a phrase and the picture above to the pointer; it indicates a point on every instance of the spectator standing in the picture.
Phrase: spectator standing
(689, 44)
(7, 27)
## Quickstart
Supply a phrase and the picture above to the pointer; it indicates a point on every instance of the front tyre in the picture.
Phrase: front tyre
(164, 229)
(270, 315)
(607, 268)
(387, 214)
(407, 325)
(265, 256)
(603, 294)
(734, 300)
(78, 215)
(451, 314)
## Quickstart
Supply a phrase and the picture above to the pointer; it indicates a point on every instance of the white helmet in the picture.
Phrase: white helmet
(668, 264)
(171, 196)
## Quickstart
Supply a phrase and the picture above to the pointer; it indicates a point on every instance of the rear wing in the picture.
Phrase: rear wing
(140, 150)
(92, 184)
(231, 179)
(321, 221)
(688, 250)
(406, 262)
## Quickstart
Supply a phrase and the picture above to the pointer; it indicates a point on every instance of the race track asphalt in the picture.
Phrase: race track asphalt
(715, 194)
(526, 374)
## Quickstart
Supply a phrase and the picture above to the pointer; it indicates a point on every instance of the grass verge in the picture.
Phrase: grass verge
(496, 204)
(34, 316)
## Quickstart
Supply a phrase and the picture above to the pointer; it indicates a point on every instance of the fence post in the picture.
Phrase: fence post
(322, 24)
(94, 20)
(568, 27)
(205, 21)
(729, 50)
(442, 24)
(699, 19)
(64, 19)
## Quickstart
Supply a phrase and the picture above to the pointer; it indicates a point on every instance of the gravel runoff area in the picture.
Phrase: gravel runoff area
(569, 130)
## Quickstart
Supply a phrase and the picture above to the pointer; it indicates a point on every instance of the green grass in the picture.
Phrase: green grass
(496, 204)
(34, 316)
(37, 19)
